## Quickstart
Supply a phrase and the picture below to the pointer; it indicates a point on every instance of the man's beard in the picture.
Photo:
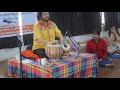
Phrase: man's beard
(46, 19)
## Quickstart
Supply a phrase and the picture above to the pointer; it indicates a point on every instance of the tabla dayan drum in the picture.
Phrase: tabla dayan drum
(54, 51)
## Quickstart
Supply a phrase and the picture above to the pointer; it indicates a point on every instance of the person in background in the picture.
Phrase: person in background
(113, 37)
(44, 33)
(98, 46)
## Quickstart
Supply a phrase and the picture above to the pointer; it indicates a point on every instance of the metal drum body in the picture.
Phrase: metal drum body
(54, 51)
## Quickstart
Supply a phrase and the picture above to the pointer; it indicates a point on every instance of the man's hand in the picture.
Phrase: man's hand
(100, 60)
(62, 40)
(56, 42)
(53, 42)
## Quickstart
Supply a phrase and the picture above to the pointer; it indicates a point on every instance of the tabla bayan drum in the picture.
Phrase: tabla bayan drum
(54, 51)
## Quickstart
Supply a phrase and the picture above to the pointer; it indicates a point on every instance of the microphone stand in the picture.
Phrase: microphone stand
(79, 56)
(78, 44)
(19, 42)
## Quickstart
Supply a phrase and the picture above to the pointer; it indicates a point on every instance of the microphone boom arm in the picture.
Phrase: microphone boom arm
(77, 48)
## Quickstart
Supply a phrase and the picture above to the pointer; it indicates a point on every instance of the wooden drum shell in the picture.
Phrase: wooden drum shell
(54, 51)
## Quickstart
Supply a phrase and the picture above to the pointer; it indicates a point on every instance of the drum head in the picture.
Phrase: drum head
(55, 45)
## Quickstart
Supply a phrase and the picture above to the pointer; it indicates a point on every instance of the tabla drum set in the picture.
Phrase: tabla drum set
(56, 51)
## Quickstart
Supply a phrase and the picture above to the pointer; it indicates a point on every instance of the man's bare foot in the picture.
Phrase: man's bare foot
(110, 65)
(118, 51)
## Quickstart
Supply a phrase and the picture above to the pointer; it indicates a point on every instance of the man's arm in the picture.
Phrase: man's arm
(58, 33)
(88, 47)
(105, 50)
(45, 42)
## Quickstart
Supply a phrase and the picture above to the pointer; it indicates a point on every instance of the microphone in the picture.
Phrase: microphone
(7, 21)
(66, 34)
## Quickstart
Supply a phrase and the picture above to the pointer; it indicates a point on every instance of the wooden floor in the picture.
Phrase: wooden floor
(110, 72)
(103, 72)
